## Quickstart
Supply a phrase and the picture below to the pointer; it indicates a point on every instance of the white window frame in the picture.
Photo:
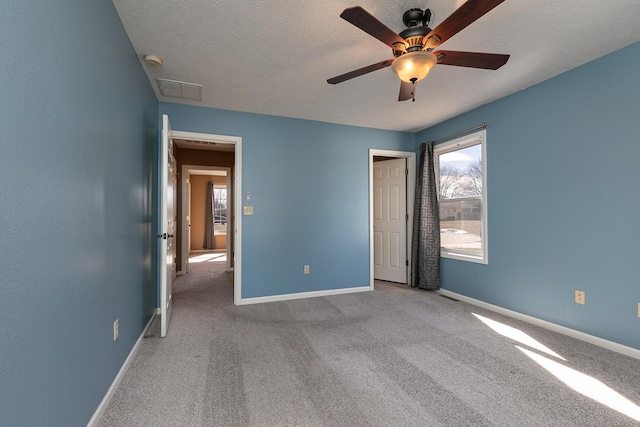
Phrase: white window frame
(222, 186)
(475, 138)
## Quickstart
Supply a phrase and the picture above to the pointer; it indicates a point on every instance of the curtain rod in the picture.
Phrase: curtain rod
(482, 126)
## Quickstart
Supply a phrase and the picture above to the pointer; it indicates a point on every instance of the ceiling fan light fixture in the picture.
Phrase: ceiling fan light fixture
(414, 66)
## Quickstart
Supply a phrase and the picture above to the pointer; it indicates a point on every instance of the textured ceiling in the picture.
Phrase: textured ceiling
(274, 56)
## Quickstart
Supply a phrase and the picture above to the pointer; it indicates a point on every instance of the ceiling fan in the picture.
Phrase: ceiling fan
(413, 47)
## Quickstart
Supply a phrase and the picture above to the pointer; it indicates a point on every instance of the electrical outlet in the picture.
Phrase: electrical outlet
(580, 297)
(115, 330)
(306, 269)
(248, 210)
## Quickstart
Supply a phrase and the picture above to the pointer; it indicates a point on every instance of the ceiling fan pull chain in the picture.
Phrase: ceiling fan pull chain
(413, 89)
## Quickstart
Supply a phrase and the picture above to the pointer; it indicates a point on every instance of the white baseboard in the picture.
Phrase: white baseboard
(116, 382)
(300, 295)
(601, 342)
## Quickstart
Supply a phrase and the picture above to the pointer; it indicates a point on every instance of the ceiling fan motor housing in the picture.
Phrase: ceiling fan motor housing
(414, 33)
(413, 37)
(414, 17)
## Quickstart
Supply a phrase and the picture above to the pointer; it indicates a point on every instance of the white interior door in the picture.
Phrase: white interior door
(390, 220)
(167, 221)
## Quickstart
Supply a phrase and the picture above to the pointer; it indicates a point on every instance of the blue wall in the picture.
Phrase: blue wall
(563, 162)
(78, 125)
(309, 184)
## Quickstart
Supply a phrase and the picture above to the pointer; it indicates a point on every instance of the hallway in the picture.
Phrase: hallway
(207, 278)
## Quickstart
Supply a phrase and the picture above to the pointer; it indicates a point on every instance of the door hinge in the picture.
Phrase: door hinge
(407, 217)
(407, 263)
(406, 171)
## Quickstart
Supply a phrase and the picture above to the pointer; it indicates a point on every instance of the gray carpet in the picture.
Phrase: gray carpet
(392, 357)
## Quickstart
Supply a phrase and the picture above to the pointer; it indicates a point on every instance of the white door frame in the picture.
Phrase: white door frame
(411, 183)
(237, 190)
(185, 173)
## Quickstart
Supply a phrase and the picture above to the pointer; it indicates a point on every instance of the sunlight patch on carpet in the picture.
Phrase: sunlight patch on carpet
(517, 335)
(587, 385)
(209, 257)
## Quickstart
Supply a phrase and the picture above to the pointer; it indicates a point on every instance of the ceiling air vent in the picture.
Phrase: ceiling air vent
(176, 89)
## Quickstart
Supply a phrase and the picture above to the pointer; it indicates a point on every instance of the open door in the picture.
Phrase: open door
(187, 239)
(167, 221)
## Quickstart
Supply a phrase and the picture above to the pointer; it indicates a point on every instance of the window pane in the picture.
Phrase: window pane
(461, 173)
(462, 207)
(220, 210)
(461, 225)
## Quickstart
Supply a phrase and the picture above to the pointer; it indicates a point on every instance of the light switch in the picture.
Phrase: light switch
(248, 210)
(248, 196)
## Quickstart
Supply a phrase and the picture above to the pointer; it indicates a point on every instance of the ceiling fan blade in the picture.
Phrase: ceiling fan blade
(369, 24)
(355, 73)
(407, 91)
(461, 18)
(488, 61)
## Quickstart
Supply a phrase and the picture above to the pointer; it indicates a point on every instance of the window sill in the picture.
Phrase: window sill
(478, 259)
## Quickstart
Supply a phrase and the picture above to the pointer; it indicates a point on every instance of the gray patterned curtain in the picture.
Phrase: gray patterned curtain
(425, 246)
(209, 240)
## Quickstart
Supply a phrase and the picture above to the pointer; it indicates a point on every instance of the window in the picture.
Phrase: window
(461, 175)
(219, 209)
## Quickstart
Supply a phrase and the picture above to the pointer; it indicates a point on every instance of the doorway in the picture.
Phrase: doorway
(225, 143)
(404, 228)
(194, 180)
